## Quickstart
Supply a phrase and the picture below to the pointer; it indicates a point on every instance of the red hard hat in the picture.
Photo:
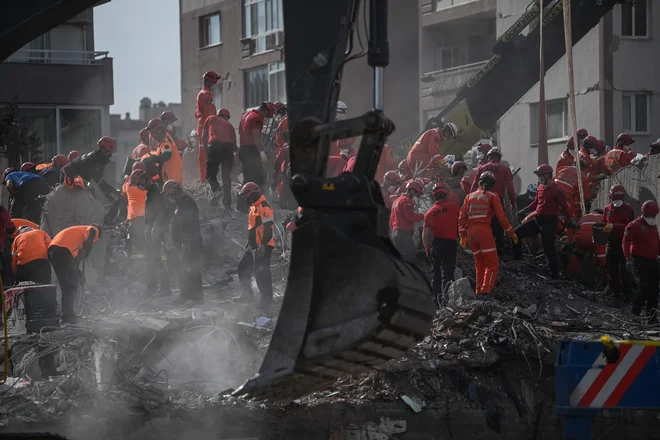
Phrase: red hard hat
(650, 209)
(457, 167)
(487, 175)
(6, 172)
(494, 150)
(625, 139)
(73, 154)
(602, 145)
(59, 160)
(569, 143)
(404, 165)
(224, 112)
(590, 142)
(271, 109)
(543, 169)
(413, 184)
(154, 124)
(617, 192)
(441, 188)
(167, 116)
(278, 106)
(249, 189)
(136, 175)
(27, 167)
(144, 135)
(392, 177)
(107, 143)
(139, 166)
(211, 76)
(582, 133)
(485, 147)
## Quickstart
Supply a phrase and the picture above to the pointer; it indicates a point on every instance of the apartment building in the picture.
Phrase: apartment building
(63, 86)
(242, 40)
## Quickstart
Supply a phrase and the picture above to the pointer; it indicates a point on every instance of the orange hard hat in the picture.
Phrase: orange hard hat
(249, 189)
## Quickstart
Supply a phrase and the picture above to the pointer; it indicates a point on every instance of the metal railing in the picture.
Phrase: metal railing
(443, 4)
(39, 56)
(447, 80)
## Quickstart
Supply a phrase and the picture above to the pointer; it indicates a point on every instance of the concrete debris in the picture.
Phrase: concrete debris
(460, 292)
(370, 431)
(415, 404)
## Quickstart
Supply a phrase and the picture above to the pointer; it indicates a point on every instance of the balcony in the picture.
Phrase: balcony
(70, 77)
(439, 88)
(442, 11)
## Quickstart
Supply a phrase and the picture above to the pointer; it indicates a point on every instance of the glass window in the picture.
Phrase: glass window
(635, 112)
(80, 129)
(256, 86)
(276, 82)
(556, 120)
(634, 18)
(260, 19)
(210, 30)
(42, 122)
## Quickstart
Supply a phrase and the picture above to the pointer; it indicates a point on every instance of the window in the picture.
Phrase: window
(635, 108)
(217, 96)
(634, 18)
(557, 118)
(260, 19)
(209, 30)
(446, 58)
(256, 86)
(276, 82)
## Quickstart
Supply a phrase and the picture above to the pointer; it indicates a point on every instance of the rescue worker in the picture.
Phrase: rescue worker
(617, 215)
(136, 197)
(281, 130)
(458, 169)
(336, 165)
(66, 251)
(29, 255)
(73, 154)
(469, 176)
(219, 141)
(51, 173)
(567, 180)
(168, 118)
(342, 145)
(17, 222)
(167, 154)
(259, 248)
(441, 223)
(203, 109)
(584, 243)
(426, 150)
(641, 246)
(403, 218)
(404, 170)
(385, 164)
(620, 156)
(599, 158)
(548, 203)
(187, 238)
(91, 166)
(474, 226)
(25, 190)
(654, 148)
(251, 151)
(391, 183)
(143, 147)
(29, 167)
(526, 199)
(566, 157)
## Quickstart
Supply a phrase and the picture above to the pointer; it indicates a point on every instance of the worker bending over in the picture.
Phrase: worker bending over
(167, 154)
(441, 223)
(136, 197)
(426, 150)
(251, 152)
(204, 108)
(25, 190)
(474, 226)
(259, 248)
(567, 180)
(219, 141)
(91, 166)
(620, 156)
(617, 215)
(51, 173)
(641, 246)
(66, 251)
(403, 218)
(29, 254)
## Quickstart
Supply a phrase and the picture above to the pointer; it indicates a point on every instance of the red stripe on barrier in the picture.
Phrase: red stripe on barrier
(602, 378)
(627, 380)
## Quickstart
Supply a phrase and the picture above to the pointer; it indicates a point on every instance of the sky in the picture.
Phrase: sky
(142, 37)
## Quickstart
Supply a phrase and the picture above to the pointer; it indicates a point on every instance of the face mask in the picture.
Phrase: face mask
(170, 127)
(480, 155)
(541, 180)
(650, 220)
(617, 203)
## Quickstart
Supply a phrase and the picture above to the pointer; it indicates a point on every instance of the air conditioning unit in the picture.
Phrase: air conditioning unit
(247, 47)
(275, 41)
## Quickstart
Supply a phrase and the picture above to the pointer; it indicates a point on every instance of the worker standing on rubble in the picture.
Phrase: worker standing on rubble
(143, 147)
(66, 251)
(259, 248)
(51, 173)
(136, 197)
(251, 151)
(25, 190)
(403, 218)
(620, 156)
(641, 246)
(548, 203)
(426, 150)
(203, 109)
(186, 235)
(167, 154)
(168, 118)
(617, 215)
(29, 255)
(468, 178)
(503, 184)
(441, 223)
(567, 180)
(219, 141)
(474, 226)
(90, 166)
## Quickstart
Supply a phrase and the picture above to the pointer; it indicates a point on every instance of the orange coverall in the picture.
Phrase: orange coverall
(172, 169)
(567, 180)
(618, 158)
(474, 223)
(204, 108)
(426, 147)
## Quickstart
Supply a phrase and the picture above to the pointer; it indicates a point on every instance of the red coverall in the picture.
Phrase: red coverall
(584, 242)
(641, 243)
(566, 159)
(426, 147)
(474, 223)
(402, 220)
(203, 109)
(442, 221)
(504, 180)
(567, 181)
(336, 166)
(619, 278)
(618, 158)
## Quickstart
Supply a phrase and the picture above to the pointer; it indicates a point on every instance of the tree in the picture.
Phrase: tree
(17, 143)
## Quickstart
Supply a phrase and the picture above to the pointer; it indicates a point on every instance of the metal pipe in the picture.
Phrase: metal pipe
(378, 87)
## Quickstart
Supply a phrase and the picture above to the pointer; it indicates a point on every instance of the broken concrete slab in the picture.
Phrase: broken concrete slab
(460, 292)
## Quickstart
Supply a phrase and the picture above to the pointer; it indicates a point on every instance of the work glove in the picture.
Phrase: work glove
(464, 242)
(608, 227)
(514, 237)
(630, 266)
(264, 159)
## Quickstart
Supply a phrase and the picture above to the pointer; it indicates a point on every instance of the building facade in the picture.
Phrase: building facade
(63, 86)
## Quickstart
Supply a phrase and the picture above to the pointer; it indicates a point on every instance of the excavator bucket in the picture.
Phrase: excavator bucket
(350, 305)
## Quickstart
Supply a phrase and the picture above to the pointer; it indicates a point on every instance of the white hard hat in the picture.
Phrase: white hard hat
(341, 107)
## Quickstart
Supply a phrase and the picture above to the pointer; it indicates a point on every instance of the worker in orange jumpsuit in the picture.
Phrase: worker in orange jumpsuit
(641, 246)
(391, 183)
(66, 251)
(426, 150)
(440, 237)
(584, 242)
(259, 248)
(136, 197)
(143, 147)
(617, 214)
(403, 218)
(620, 156)
(251, 151)
(566, 157)
(29, 255)
(342, 145)
(468, 178)
(203, 109)
(167, 154)
(168, 119)
(219, 140)
(567, 180)
(474, 226)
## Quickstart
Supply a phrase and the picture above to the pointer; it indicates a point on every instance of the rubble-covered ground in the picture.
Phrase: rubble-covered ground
(139, 356)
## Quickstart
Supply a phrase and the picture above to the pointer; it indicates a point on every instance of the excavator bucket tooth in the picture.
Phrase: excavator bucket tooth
(350, 305)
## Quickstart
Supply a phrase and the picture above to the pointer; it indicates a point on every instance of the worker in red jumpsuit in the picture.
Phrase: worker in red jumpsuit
(620, 156)
(440, 237)
(617, 215)
(566, 157)
(391, 183)
(426, 150)
(584, 242)
(549, 202)
(468, 177)
(203, 109)
(282, 128)
(403, 218)
(251, 151)
(474, 226)
(169, 119)
(599, 157)
(641, 246)
(219, 140)
(385, 164)
(344, 146)
(143, 147)
(503, 185)
(567, 180)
